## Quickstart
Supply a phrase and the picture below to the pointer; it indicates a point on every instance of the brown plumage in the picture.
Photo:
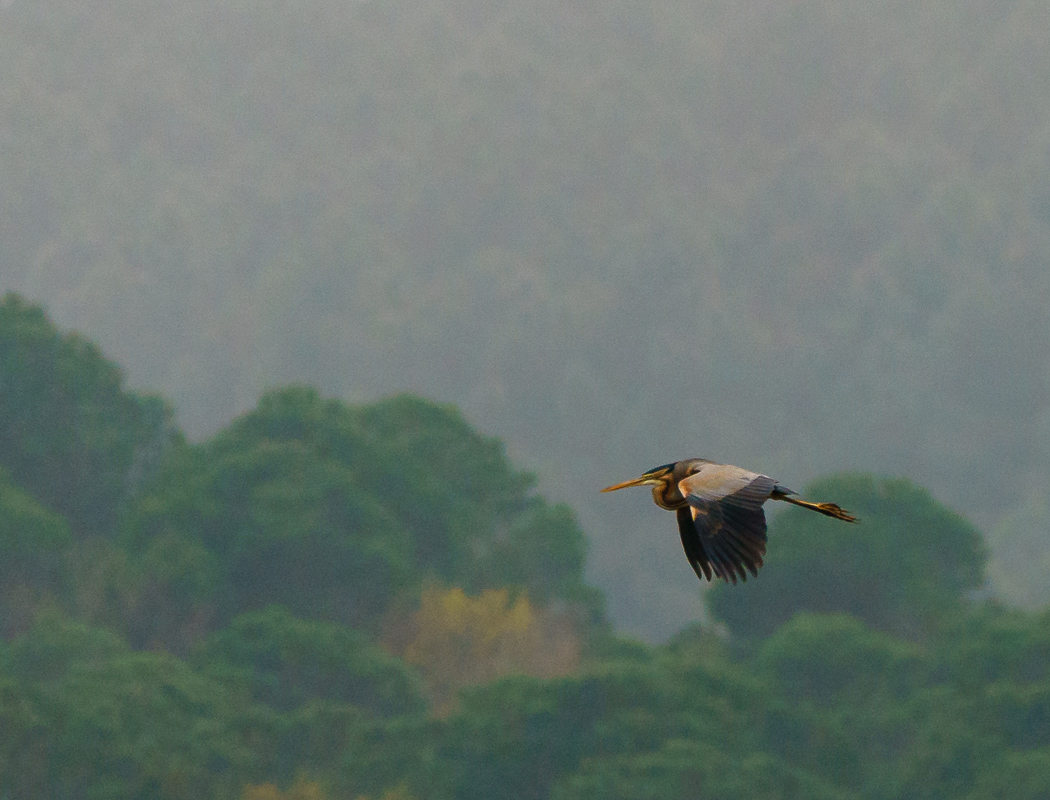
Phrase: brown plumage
(719, 511)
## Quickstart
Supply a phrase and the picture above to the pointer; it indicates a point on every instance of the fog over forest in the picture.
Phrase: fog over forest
(802, 237)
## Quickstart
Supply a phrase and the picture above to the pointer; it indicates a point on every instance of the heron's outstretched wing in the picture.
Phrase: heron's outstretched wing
(723, 528)
(694, 550)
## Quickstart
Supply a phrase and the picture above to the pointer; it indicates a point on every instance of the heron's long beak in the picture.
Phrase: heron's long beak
(626, 484)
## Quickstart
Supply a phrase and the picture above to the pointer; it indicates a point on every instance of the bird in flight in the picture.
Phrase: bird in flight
(720, 516)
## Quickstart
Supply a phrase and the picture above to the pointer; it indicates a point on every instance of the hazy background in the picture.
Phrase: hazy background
(797, 236)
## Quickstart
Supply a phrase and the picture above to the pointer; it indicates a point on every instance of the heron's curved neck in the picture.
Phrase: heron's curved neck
(666, 495)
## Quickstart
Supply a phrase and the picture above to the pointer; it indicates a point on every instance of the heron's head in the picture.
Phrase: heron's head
(658, 476)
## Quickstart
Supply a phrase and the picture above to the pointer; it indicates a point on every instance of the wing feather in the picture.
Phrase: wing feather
(740, 553)
(725, 527)
(718, 560)
(694, 550)
(730, 565)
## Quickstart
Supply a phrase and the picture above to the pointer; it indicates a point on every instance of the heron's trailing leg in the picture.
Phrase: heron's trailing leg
(828, 509)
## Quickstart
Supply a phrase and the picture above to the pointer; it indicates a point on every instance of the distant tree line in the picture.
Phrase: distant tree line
(820, 227)
(334, 601)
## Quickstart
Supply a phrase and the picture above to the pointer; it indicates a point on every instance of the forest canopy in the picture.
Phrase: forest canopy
(274, 615)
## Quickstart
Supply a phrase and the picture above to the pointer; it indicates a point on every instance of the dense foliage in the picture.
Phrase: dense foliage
(73, 436)
(271, 618)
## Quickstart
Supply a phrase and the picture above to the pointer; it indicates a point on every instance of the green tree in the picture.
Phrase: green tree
(522, 736)
(267, 512)
(951, 748)
(33, 541)
(908, 568)
(841, 700)
(107, 722)
(392, 759)
(320, 690)
(475, 520)
(688, 770)
(70, 434)
(288, 662)
(21, 739)
(1019, 776)
(994, 643)
(814, 657)
(986, 708)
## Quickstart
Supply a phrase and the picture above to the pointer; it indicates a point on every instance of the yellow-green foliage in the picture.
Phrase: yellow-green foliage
(462, 640)
(302, 789)
(399, 792)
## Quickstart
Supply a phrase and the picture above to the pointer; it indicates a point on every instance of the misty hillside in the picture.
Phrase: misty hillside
(797, 236)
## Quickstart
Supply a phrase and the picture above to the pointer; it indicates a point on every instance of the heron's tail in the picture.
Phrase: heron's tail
(827, 509)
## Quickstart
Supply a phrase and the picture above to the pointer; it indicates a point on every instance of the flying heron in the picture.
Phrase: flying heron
(719, 510)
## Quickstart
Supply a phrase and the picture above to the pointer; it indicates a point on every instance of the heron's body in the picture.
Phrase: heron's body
(719, 511)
